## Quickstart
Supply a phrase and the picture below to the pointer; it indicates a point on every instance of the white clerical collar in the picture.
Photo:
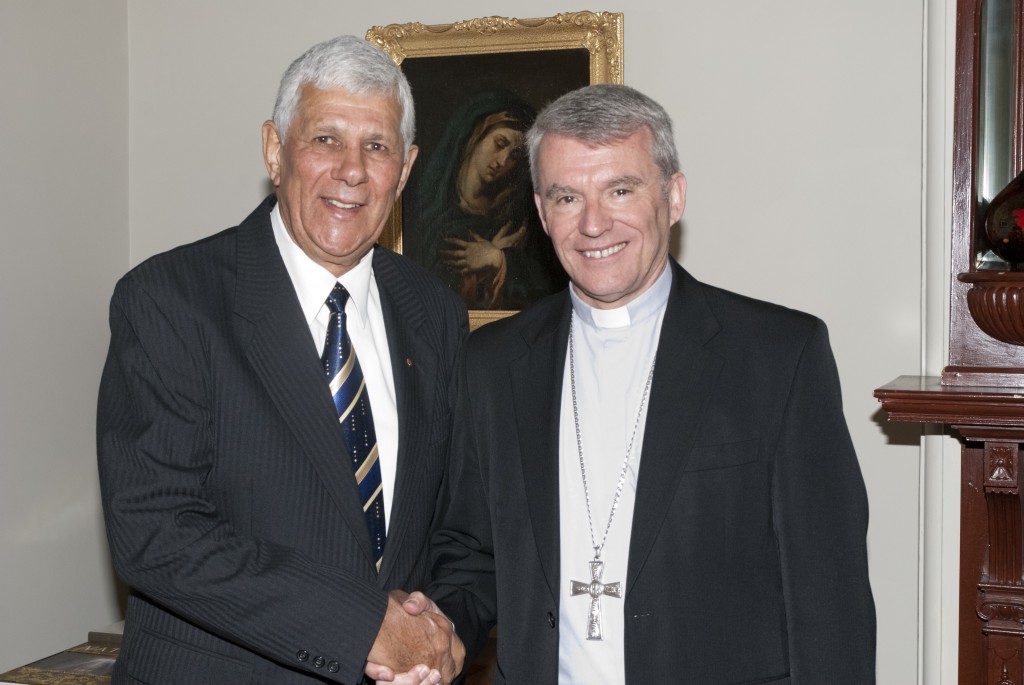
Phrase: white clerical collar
(651, 302)
(313, 283)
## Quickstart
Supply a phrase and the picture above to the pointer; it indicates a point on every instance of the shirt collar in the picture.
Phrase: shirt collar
(651, 302)
(313, 283)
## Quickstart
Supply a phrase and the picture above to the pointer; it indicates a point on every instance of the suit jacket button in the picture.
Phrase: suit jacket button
(333, 667)
(319, 662)
(551, 619)
(302, 655)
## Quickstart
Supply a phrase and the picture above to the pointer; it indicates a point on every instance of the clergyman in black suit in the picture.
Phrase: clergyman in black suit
(232, 474)
(652, 478)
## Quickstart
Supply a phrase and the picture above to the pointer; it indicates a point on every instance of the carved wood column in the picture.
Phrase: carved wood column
(1000, 602)
(990, 425)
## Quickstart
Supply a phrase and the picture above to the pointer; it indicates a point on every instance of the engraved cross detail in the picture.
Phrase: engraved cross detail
(595, 588)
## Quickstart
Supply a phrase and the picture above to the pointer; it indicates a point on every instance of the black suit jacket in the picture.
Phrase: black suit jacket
(231, 512)
(747, 562)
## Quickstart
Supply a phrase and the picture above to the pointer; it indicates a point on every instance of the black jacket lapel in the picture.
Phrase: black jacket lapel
(277, 344)
(414, 367)
(537, 398)
(684, 378)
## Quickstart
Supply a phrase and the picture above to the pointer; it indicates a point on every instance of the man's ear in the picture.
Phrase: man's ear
(272, 152)
(406, 168)
(540, 212)
(676, 196)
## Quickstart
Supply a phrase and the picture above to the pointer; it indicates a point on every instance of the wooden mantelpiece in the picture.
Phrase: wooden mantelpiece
(926, 400)
(990, 424)
(981, 393)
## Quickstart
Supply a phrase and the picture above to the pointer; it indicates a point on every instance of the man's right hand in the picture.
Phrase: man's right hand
(419, 634)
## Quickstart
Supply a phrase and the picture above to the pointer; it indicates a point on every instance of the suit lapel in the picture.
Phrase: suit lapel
(278, 346)
(537, 397)
(414, 368)
(684, 378)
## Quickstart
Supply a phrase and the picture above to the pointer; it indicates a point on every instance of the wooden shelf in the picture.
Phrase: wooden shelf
(990, 423)
(925, 399)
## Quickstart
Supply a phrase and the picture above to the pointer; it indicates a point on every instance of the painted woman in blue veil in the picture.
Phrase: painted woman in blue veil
(477, 227)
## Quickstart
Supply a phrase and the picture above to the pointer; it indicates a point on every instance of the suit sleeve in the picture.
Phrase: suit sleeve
(821, 519)
(168, 538)
(462, 550)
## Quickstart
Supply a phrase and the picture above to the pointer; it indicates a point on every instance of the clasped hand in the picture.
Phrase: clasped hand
(479, 254)
(416, 643)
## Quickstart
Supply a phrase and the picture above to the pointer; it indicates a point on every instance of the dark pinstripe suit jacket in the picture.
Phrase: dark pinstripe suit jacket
(230, 512)
(747, 562)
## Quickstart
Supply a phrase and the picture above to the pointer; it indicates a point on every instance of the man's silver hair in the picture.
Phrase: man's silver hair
(353, 64)
(602, 114)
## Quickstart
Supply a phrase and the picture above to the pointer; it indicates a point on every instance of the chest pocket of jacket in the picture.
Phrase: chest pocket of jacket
(723, 455)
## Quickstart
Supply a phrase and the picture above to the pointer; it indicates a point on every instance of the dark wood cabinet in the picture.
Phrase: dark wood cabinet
(975, 357)
(979, 396)
(989, 422)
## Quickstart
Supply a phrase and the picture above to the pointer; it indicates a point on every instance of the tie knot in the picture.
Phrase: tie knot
(337, 299)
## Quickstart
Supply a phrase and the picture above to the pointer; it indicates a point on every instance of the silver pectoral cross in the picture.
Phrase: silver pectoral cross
(595, 588)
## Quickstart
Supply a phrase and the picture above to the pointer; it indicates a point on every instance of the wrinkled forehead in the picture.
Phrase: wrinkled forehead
(560, 148)
(317, 103)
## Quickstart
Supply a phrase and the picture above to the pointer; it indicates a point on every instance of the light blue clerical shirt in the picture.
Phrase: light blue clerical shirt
(613, 353)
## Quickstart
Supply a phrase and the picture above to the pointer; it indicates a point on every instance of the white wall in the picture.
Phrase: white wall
(799, 124)
(64, 202)
(940, 472)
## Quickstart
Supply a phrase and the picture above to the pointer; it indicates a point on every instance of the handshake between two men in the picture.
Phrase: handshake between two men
(416, 644)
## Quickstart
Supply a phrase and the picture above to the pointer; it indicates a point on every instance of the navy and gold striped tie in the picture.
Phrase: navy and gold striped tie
(353, 404)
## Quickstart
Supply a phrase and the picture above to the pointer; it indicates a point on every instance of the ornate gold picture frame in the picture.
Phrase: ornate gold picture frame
(467, 212)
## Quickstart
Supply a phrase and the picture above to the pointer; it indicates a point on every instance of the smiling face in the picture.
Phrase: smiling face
(608, 214)
(338, 173)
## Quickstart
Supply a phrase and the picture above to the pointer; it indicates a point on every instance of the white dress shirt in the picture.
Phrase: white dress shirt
(365, 325)
(614, 350)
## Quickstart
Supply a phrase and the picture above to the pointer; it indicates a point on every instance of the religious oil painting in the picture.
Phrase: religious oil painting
(467, 213)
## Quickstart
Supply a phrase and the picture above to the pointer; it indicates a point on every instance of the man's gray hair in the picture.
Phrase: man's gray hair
(351, 63)
(601, 114)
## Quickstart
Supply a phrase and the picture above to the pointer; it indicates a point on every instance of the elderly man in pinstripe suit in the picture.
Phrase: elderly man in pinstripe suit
(232, 509)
